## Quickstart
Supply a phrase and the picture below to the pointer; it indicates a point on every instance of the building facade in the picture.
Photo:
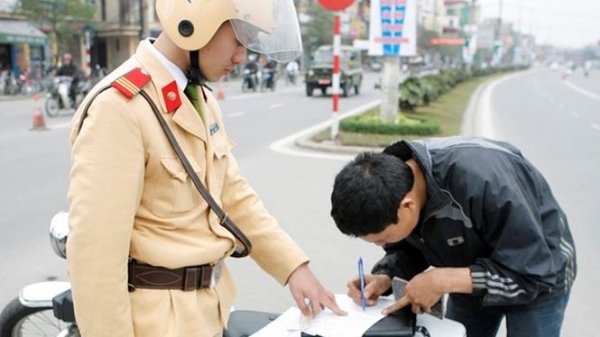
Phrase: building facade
(121, 24)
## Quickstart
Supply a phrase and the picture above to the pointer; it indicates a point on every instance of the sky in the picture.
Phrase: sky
(564, 23)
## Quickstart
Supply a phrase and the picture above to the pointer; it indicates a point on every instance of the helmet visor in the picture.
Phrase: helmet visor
(276, 35)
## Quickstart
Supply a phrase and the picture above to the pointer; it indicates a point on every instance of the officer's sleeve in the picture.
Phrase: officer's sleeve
(106, 181)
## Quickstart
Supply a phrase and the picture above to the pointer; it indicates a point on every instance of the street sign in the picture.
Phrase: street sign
(393, 28)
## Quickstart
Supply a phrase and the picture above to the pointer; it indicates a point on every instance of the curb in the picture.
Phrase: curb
(332, 147)
(468, 127)
(329, 146)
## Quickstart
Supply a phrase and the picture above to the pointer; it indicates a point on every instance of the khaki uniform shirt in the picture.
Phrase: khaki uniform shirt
(131, 197)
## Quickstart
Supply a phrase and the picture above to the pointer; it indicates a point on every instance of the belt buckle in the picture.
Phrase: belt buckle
(215, 276)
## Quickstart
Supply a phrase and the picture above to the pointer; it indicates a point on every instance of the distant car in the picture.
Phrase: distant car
(554, 66)
(320, 70)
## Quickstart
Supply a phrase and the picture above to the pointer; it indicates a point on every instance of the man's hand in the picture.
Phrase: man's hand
(305, 286)
(375, 285)
(425, 289)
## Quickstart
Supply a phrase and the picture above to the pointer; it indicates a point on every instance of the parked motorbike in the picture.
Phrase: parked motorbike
(46, 308)
(249, 81)
(58, 98)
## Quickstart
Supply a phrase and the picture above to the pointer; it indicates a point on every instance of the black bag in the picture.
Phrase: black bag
(401, 323)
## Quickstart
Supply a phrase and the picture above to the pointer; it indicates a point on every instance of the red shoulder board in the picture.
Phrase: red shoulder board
(132, 82)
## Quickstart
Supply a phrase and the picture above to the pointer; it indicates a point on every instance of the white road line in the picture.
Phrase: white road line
(582, 91)
(286, 145)
(595, 126)
(484, 120)
(235, 114)
(275, 106)
(59, 126)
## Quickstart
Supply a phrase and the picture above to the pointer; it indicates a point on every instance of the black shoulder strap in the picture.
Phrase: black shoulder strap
(225, 220)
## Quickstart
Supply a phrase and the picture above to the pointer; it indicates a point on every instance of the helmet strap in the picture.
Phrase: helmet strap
(195, 74)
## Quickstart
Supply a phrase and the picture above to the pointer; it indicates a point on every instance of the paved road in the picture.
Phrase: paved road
(554, 122)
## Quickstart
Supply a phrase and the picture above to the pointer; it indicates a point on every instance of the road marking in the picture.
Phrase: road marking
(286, 144)
(59, 126)
(275, 106)
(582, 91)
(236, 114)
(595, 126)
(484, 122)
(258, 94)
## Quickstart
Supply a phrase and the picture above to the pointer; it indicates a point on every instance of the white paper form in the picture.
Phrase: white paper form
(286, 325)
(355, 324)
(327, 323)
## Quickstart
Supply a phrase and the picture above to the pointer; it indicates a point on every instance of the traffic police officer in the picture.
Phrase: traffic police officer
(132, 200)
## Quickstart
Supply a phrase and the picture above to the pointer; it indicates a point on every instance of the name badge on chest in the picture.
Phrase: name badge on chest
(213, 128)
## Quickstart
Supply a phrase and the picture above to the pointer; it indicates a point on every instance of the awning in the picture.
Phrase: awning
(14, 31)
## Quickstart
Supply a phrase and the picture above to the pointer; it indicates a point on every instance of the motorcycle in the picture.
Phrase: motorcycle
(268, 79)
(249, 81)
(46, 308)
(58, 98)
(291, 77)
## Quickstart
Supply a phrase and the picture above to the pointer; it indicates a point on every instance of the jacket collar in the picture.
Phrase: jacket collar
(166, 86)
(419, 151)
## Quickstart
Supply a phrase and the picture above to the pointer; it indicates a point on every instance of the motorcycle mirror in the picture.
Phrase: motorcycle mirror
(59, 231)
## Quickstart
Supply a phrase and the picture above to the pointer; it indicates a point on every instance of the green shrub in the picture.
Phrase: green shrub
(411, 94)
(433, 87)
(405, 125)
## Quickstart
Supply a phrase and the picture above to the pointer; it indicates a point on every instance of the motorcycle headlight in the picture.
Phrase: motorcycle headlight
(59, 231)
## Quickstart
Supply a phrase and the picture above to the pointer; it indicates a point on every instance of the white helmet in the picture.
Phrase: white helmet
(265, 26)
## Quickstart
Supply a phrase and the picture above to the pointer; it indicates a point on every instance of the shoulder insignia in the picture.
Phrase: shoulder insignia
(171, 96)
(131, 83)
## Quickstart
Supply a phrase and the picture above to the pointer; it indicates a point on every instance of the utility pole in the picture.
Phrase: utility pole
(471, 37)
(499, 26)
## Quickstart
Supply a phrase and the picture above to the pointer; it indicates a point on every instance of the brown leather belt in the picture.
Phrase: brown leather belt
(186, 278)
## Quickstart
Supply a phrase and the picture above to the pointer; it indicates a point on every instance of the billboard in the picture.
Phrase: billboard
(393, 28)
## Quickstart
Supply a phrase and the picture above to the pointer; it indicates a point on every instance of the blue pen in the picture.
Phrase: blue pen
(361, 276)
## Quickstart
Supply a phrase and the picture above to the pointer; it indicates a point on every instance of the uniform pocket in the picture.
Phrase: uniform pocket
(222, 146)
(175, 192)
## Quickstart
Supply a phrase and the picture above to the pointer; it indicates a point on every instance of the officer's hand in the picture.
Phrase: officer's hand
(421, 293)
(375, 285)
(309, 294)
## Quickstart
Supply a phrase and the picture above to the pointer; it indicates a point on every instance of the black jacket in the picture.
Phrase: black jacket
(490, 210)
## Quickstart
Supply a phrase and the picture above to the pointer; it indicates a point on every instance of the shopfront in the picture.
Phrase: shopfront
(23, 48)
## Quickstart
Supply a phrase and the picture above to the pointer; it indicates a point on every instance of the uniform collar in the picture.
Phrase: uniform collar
(173, 69)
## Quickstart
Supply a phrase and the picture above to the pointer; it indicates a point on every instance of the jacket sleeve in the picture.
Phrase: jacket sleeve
(401, 260)
(504, 198)
(106, 182)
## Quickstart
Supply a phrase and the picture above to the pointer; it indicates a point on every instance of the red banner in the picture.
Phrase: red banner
(447, 41)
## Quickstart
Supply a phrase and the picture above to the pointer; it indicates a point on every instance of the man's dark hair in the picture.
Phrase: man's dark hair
(367, 192)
